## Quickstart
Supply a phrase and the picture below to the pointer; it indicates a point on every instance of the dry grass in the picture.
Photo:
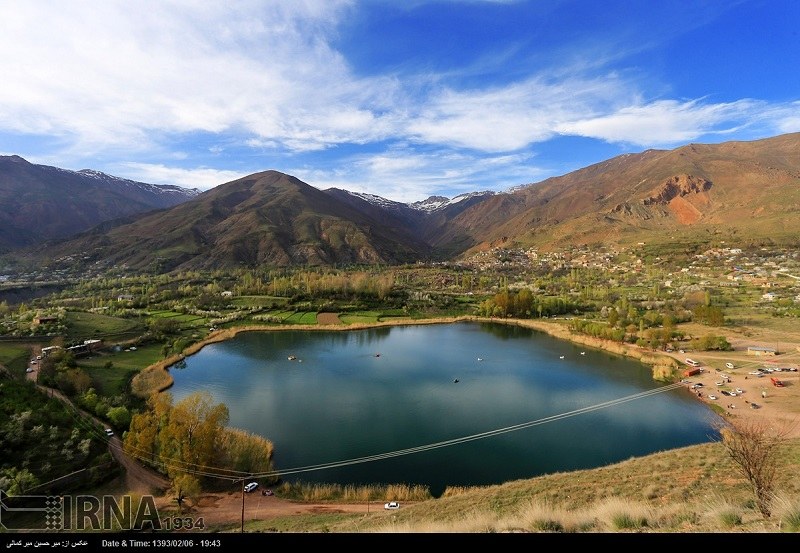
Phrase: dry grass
(542, 516)
(689, 490)
(151, 380)
(314, 493)
(787, 511)
(617, 513)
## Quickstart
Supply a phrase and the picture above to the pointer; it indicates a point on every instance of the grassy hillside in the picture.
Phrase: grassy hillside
(695, 489)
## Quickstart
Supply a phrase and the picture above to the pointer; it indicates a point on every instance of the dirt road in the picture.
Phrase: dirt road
(226, 508)
(138, 478)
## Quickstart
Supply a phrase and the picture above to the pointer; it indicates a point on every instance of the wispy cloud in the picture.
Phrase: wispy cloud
(104, 74)
(407, 175)
(201, 177)
(135, 87)
(514, 116)
(664, 121)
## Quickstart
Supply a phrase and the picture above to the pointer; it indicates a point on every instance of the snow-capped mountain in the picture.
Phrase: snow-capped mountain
(42, 203)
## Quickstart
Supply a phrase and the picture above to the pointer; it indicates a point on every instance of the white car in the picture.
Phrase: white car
(109, 432)
(391, 506)
(250, 487)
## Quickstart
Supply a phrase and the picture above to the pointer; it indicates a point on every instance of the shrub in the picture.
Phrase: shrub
(730, 518)
(628, 521)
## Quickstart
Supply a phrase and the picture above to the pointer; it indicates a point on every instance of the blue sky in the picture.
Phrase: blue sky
(399, 99)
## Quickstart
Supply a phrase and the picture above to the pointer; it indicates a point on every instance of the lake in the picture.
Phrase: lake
(346, 395)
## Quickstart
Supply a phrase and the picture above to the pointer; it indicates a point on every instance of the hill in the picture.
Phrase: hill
(44, 203)
(741, 192)
(266, 218)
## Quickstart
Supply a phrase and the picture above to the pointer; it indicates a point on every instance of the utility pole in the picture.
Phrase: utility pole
(242, 505)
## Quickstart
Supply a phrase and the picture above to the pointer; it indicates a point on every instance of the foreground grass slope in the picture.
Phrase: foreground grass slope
(692, 489)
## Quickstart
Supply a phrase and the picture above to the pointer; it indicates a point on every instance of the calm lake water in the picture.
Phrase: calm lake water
(369, 392)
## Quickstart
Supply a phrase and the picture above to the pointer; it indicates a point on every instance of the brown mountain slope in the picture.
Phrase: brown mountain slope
(43, 203)
(268, 218)
(737, 189)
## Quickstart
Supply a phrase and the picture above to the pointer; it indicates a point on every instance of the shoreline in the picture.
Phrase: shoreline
(158, 373)
(782, 405)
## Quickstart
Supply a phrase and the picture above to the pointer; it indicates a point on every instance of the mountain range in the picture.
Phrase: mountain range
(737, 191)
(44, 203)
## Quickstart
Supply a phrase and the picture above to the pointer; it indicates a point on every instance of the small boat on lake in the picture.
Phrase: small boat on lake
(292, 358)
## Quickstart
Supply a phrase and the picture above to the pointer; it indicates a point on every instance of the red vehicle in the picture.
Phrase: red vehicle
(777, 383)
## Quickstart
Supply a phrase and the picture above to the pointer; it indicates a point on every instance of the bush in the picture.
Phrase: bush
(119, 417)
(730, 518)
(627, 521)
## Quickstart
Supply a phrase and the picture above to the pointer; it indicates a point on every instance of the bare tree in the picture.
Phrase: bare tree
(754, 447)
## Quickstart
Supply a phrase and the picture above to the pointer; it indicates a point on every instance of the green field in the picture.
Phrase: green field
(186, 320)
(302, 317)
(279, 314)
(360, 317)
(258, 301)
(113, 381)
(82, 325)
(14, 357)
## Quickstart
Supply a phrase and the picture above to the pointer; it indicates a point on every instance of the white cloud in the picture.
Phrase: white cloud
(662, 122)
(99, 77)
(201, 177)
(787, 119)
(103, 74)
(512, 117)
(407, 176)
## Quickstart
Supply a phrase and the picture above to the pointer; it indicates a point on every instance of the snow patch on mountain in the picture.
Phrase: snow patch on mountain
(435, 203)
(429, 205)
(153, 188)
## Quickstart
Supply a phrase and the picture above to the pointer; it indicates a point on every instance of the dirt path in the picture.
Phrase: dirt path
(138, 478)
(222, 509)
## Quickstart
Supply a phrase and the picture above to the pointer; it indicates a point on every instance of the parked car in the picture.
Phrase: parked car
(392, 505)
(251, 487)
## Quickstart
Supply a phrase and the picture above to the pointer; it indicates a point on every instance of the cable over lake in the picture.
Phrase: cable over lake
(461, 404)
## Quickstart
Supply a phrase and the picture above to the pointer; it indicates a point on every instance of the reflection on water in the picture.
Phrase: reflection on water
(367, 392)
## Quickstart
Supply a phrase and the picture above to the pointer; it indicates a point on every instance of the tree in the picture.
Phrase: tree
(193, 432)
(613, 317)
(16, 481)
(142, 437)
(754, 448)
(185, 486)
(119, 416)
